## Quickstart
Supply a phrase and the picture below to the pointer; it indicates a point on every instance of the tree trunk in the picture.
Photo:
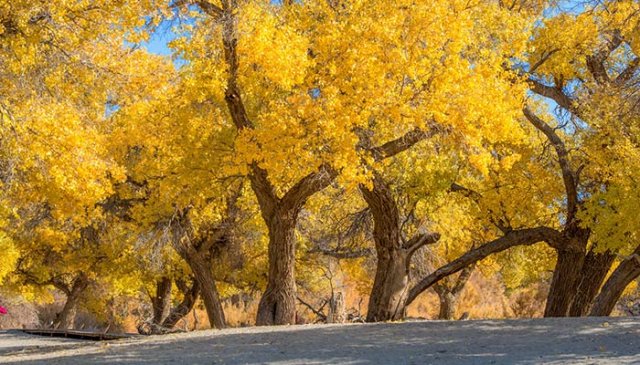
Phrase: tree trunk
(447, 301)
(278, 303)
(449, 296)
(161, 301)
(186, 305)
(66, 318)
(625, 273)
(390, 290)
(337, 312)
(594, 271)
(564, 284)
(390, 287)
(202, 271)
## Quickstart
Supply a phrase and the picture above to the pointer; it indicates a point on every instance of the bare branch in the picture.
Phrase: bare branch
(342, 253)
(556, 94)
(295, 197)
(628, 72)
(568, 175)
(420, 240)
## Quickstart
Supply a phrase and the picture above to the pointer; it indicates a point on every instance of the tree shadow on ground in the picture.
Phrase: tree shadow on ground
(552, 341)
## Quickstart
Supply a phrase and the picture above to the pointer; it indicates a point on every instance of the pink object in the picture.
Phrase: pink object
(3, 310)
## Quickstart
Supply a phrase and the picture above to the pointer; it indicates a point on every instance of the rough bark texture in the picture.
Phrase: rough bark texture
(627, 271)
(447, 304)
(161, 301)
(65, 319)
(201, 269)
(566, 274)
(389, 293)
(388, 297)
(278, 303)
(594, 271)
(564, 284)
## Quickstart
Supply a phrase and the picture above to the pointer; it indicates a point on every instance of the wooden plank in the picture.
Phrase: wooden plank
(83, 335)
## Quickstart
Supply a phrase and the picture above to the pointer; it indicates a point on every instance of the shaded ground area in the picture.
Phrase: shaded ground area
(536, 341)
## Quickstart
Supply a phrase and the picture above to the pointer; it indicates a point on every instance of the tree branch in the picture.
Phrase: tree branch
(401, 144)
(568, 175)
(342, 253)
(295, 197)
(522, 237)
(556, 94)
(320, 315)
(628, 72)
(420, 240)
(207, 7)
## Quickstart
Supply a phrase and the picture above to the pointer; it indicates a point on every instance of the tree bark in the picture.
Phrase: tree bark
(161, 301)
(622, 276)
(566, 274)
(278, 303)
(594, 270)
(564, 284)
(65, 319)
(391, 284)
(448, 303)
(201, 269)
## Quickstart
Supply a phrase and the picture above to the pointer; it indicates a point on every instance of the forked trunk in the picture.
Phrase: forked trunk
(65, 319)
(449, 296)
(278, 303)
(594, 271)
(390, 291)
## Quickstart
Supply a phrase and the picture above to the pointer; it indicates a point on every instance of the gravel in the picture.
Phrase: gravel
(531, 341)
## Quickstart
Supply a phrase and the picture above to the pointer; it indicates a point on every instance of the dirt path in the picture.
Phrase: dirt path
(548, 341)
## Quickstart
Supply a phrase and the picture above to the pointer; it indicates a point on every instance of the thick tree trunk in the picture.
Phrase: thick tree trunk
(622, 276)
(390, 287)
(161, 301)
(566, 274)
(278, 303)
(186, 305)
(389, 293)
(201, 269)
(594, 271)
(390, 290)
(564, 284)
(66, 318)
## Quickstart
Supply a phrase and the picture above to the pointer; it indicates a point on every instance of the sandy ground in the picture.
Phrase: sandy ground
(537, 341)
